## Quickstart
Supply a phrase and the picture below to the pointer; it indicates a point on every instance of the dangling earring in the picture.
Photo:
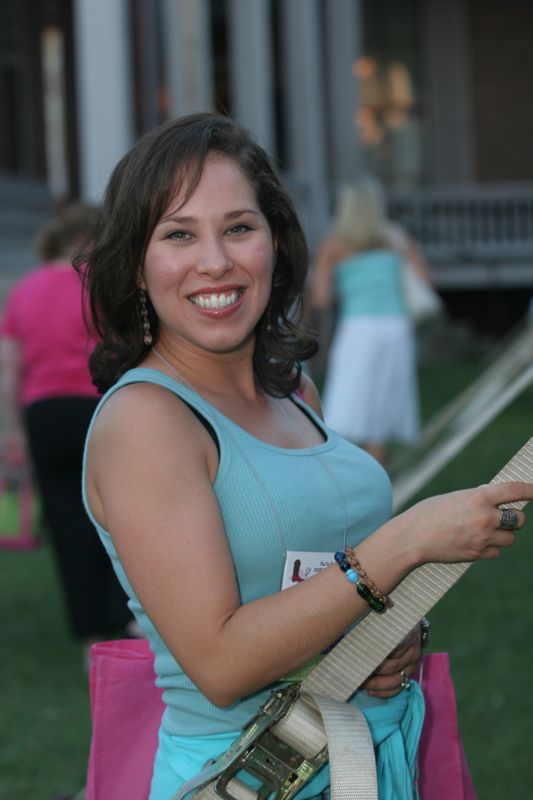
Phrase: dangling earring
(144, 318)
(268, 319)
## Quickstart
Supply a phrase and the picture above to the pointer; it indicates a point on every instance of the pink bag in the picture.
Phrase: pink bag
(442, 766)
(126, 709)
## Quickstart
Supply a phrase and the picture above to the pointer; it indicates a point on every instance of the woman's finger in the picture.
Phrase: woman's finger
(390, 685)
(508, 492)
(509, 519)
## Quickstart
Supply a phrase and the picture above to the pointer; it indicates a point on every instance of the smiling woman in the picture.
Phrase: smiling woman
(147, 198)
(208, 266)
(208, 478)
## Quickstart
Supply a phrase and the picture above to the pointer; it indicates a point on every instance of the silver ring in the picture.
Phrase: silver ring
(406, 683)
(508, 519)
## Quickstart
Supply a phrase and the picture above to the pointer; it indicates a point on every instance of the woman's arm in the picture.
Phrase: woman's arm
(14, 448)
(414, 255)
(409, 249)
(330, 252)
(151, 466)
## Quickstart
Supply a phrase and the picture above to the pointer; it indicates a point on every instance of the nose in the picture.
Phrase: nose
(214, 260)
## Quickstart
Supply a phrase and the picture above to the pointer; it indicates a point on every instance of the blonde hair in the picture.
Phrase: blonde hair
(360, 216)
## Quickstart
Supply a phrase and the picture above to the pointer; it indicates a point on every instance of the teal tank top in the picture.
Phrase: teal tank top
(370, 283)
(272, 499)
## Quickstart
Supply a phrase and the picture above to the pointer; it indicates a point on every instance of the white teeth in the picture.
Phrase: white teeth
(216, 300)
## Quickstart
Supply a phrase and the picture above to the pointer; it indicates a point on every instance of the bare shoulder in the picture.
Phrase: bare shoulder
(310, 393)
(332, 250)
(140, 407)
(146, 421)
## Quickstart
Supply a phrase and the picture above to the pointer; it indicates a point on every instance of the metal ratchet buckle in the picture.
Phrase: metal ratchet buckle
(280, 769)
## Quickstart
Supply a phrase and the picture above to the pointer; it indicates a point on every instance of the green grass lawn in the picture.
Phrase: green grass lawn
(44, 707)
(485, 622)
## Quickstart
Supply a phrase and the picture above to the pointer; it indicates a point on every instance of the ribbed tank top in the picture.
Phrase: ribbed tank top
(370, 283)
(272, 499)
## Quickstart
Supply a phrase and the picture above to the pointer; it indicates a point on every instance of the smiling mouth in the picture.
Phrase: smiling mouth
(216, 301)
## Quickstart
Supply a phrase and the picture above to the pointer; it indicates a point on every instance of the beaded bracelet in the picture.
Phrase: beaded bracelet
(356, 577)
(346, 567)
(356, 564)
(367, 589)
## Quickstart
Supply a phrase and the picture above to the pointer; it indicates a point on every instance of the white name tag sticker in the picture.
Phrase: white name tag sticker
(300, 565)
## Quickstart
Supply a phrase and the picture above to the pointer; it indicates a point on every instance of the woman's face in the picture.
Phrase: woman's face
(209, 263)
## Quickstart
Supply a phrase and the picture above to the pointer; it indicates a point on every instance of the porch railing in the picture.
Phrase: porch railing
(469, 223)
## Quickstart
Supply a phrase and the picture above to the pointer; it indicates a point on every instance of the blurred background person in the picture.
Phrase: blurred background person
(48, 399)
(370, 392)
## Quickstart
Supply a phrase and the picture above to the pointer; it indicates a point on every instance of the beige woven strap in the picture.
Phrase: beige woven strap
(238, 789)
(321, 716)
(313, 723)
(349, 663)
(352, 763)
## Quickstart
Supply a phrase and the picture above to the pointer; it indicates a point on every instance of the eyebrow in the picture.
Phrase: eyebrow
(229, 216)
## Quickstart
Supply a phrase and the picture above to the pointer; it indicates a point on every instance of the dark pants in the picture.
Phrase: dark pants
(95, 601)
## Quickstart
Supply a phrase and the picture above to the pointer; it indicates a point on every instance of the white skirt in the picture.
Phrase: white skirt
(370, 392)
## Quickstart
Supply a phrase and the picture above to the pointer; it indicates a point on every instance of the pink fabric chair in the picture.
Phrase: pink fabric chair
(127, 707)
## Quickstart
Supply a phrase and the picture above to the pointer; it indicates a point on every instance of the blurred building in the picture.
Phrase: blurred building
(434, 97)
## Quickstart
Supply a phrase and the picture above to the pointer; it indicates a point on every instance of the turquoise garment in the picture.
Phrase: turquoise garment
(271, 499)
(396, 739)
(370, 283)
(395, 726)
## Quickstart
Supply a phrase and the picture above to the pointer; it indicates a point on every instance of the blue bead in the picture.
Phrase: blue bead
(342, 561)
(352, 575)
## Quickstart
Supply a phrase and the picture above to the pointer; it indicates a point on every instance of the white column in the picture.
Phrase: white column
(344, 35)
(104, 87)
(187, 55)
(55, 130)
(250, 46)
(305, 112)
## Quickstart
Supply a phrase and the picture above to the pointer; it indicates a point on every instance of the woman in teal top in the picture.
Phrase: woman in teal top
(206, 476)
(370, 392)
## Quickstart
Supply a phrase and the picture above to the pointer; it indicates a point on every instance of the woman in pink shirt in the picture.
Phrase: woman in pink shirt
(48, 399)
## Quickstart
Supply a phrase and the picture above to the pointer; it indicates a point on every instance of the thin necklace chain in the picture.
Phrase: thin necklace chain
(282, 542)
(326, 469)
(302, 438)
(173, 369)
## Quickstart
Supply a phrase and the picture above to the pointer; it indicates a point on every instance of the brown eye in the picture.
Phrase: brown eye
(240, 228)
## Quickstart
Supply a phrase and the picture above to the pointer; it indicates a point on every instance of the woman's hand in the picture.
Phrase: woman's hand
(15, 450)
(465, 525)
(392, 674)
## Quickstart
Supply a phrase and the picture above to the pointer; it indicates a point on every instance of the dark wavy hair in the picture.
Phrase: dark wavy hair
(171, 157)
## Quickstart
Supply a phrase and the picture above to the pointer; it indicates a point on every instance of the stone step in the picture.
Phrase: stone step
(25, 205)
